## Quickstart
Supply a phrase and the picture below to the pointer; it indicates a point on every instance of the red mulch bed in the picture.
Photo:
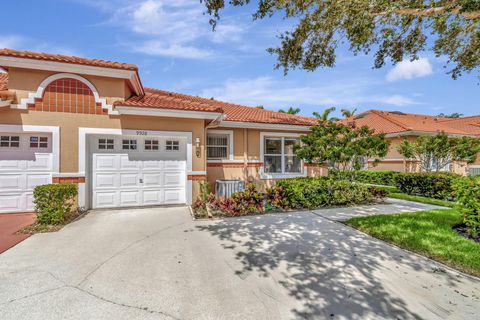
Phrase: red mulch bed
(10, 224)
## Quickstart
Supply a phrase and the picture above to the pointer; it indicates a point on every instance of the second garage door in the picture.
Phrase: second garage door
(133, 171)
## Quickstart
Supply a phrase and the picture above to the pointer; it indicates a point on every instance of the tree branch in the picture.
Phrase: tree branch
(471, 15)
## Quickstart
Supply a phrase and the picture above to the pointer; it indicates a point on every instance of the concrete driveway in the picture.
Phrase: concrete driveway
(159, 264)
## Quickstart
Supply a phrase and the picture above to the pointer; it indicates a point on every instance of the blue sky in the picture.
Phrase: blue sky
(175, 49)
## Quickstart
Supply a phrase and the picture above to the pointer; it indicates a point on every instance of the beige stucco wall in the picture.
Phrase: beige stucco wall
(70, 122)
(23, 81)
(251, 172)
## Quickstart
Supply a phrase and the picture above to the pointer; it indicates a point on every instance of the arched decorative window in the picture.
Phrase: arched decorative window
(68, 95)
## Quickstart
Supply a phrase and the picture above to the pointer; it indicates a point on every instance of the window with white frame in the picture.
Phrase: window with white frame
(172, 145)
(218, 145)
(38, 142)
(128, 144)
(9, 141)
(105, 144)
(279, 156)
(151, 145)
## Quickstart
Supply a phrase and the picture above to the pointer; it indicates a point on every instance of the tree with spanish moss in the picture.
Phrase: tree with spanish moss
(391, 30)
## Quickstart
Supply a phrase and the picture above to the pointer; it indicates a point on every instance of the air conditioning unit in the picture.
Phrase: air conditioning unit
(225, 188)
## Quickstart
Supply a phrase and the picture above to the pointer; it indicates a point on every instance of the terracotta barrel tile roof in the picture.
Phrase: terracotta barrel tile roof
(67, 59)
(3, 81)
(233, 112)
(160, 99)
(395, 122)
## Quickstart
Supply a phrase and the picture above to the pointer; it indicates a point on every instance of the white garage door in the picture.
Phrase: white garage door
(26, 160)
(133, 171)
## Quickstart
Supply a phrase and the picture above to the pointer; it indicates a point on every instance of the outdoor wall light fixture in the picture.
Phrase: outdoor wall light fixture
(197, 147)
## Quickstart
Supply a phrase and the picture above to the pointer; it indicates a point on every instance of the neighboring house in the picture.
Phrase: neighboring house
(91, 122)
(399, 126)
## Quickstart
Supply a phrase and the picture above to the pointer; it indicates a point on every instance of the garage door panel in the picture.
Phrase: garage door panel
(152, 165)
(29, 201)
(106, 180)
(21, 169)
(174, 165)
(12, 182)
(12, 202)
(12, 165)
(105, 199)
(127, 163)
(153, 197)
(174, 179)
(42, 162)
(174, 196)
(123, 178)
(152, 179)
(105, 162)
(129, 198)
(128, 180)
(36, 180)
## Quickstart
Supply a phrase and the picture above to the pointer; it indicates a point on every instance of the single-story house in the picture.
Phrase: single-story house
(399, 126)
(92, 122)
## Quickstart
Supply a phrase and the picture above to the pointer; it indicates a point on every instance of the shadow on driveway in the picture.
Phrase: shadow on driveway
(334, 271)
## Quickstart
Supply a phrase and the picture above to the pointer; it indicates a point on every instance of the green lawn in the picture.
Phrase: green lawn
(428, 233)
(421, 199)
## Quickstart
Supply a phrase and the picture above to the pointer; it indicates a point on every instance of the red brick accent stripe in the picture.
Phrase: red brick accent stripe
(197, 177)
(68, 180)
(234, 165)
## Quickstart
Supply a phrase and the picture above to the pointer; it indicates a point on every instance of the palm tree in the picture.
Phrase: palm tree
(348, 113)
(290, 110)
(324, 116)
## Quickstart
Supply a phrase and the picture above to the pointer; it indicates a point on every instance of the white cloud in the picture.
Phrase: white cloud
(173, 28)
(159, 48)
(397, 100)
(275, 93)
(410, 69)
(11, 41)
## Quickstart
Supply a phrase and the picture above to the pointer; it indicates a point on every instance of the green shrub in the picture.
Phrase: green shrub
(467, 193)
(438, 185)
(53, 202)
(381, 177)
(324, 192)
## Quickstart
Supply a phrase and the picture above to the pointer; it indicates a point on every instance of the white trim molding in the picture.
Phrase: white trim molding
(267, 176)
(196, 173)
(68, 175)
(161, 112)
(230, 144)
(131, 75)
(83, 133)
(41, 89)
(55, 131)
(264, 126)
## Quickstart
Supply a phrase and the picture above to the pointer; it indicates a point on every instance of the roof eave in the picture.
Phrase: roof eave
(163, 112)
(264, 126)
(131, 75)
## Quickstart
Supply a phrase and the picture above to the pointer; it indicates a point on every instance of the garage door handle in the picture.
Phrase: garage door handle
(141, 180)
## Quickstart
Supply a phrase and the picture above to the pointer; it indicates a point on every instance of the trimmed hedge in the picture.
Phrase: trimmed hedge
(381, 177)
(53, 202)
(303, 193)
(468, 197)
(437, 185)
